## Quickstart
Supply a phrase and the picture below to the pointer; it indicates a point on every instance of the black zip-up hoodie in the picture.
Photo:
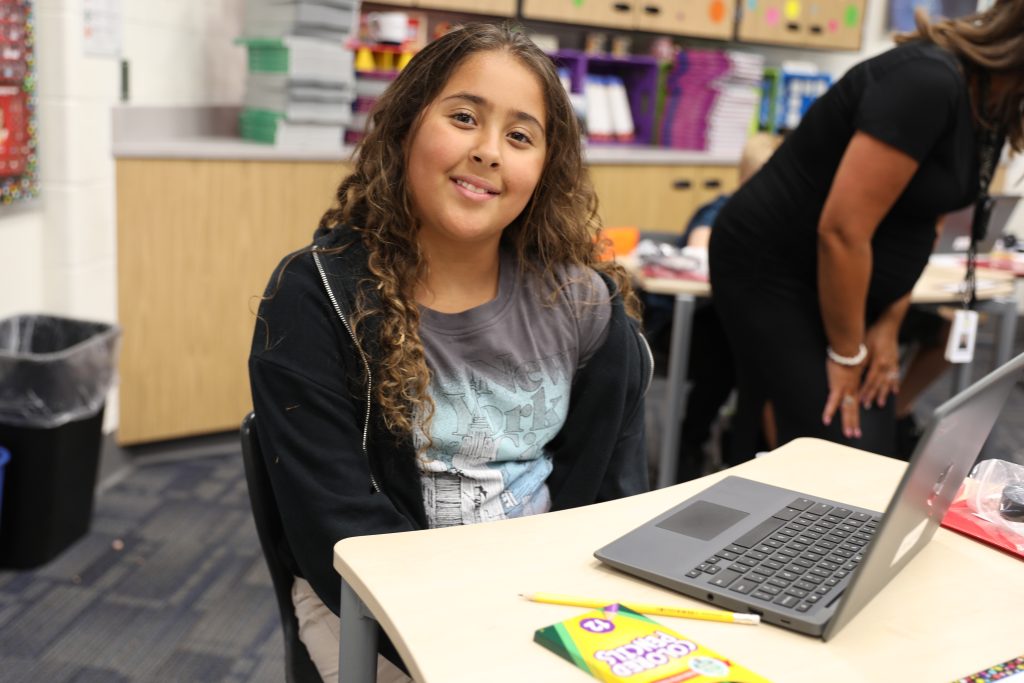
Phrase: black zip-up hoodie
(337, 471)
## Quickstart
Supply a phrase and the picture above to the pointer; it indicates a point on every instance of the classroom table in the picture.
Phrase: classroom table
(449, 598)
(936, 286)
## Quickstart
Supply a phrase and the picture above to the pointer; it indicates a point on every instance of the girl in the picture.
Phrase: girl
(449, 350)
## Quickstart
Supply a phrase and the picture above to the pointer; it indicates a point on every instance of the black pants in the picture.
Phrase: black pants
(774, 326)
(712, 374)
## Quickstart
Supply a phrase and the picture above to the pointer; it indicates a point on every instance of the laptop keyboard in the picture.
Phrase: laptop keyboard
(802, 554)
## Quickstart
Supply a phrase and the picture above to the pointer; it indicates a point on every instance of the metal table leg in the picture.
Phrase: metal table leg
(1007, 311)
(961, 376)
(357, 650)
(675, 392)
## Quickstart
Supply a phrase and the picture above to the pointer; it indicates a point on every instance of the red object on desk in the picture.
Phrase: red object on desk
(653, 270)
(1015, 266)
(961, 518)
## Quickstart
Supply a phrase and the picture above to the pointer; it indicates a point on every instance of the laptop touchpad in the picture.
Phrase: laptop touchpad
(702, 520)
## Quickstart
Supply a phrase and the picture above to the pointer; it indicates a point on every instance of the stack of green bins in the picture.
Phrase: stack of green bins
(259, 125)
(301, 77)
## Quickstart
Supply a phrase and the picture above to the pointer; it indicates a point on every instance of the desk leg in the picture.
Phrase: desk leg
(1007, 309)
(961, 376)
(675, 392)
(357, 651)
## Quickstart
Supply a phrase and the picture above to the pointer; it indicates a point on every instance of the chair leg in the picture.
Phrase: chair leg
(357, 654)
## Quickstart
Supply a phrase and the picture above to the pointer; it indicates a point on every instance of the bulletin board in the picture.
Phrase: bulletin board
(18, 135)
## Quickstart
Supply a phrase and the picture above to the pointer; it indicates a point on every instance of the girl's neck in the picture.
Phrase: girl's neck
(457, 280)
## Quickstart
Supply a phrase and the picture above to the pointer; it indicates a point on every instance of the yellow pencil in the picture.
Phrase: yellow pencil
(683, 612)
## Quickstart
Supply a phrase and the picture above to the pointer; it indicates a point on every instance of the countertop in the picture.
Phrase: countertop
(233, 148)
(210, 132)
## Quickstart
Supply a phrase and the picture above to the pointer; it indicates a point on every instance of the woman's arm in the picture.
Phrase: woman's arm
(883, 372)
(871, 177)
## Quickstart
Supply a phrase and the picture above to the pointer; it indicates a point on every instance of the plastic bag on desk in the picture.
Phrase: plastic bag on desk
(667, 261)
(995, 492)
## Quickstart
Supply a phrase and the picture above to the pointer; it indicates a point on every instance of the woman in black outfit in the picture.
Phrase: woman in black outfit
(813, 260)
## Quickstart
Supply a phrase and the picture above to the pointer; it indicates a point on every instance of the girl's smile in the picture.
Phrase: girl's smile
(477, 154)
(474, 188)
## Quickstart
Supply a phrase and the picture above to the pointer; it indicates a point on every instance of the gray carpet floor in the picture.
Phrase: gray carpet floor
(168, 585)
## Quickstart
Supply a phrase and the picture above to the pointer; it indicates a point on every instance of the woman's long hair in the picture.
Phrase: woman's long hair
(555, 229)
(993, 42)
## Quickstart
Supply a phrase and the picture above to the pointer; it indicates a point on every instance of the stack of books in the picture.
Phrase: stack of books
(733, 116)
(330, 20)
(800, 85)
(301, 79)
(712, 98)
(609, 118)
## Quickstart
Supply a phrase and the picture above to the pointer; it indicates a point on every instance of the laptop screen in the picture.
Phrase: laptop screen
(942, 459)
(955, 237)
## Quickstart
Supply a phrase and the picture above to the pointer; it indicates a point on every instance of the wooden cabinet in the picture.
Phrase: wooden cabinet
(819, 24)
(700, 18)
(497, 8)
(713, 181)
(660, 198)
(197, 241)
(703, 18)
(584, 12)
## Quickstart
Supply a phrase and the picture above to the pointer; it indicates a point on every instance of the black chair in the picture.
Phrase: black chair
(299, 668)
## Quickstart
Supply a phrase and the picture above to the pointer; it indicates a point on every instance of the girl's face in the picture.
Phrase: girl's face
(477, 153)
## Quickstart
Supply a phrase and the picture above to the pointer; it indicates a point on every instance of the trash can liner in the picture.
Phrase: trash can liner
(54, 370)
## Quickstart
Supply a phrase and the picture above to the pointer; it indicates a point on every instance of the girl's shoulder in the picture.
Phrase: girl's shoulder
(578, 285)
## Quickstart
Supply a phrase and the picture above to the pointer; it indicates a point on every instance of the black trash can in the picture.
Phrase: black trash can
(54, 377)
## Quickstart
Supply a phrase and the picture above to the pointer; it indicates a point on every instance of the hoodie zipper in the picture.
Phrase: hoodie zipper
(362, 357)
(650, 357)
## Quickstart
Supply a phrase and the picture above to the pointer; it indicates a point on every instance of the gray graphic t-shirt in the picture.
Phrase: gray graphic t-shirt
(502, 376)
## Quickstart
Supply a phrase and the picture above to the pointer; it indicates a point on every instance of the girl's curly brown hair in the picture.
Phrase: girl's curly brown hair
(991, 42)
(556, 228)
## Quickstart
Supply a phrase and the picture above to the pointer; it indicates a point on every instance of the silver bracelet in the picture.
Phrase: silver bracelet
(848, 361)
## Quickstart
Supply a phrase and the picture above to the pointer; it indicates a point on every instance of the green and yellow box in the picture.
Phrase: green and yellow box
(615, 643)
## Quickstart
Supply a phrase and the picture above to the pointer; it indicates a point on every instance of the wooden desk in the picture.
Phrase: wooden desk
(936, 286)
(448, 598)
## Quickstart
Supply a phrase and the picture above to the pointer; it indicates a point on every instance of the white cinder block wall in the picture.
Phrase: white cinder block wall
(77, 256)
(182, 52)
(58, 254)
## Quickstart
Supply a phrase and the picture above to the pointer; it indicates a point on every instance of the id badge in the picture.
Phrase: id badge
(960, 345)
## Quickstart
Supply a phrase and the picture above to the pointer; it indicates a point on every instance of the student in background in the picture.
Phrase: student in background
(813, 261)
(711, 364)
(450, 349)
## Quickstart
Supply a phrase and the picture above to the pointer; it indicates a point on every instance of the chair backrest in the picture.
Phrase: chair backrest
(299, 668)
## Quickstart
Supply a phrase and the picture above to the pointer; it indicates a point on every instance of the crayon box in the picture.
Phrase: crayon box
(615, 643)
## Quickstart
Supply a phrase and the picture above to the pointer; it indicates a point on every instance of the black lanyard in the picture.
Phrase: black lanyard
(990, 145)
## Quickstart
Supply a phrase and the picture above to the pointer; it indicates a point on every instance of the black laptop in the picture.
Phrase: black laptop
(955, 236)
(800, 561)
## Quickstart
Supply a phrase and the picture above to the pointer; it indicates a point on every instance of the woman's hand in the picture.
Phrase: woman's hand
(883, 374)
(843, 387)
